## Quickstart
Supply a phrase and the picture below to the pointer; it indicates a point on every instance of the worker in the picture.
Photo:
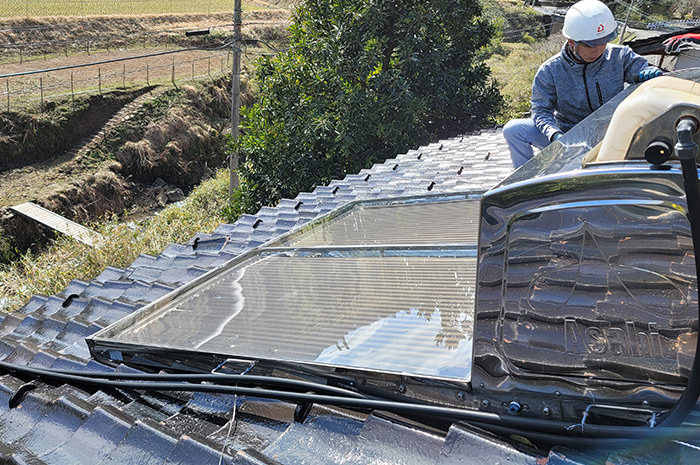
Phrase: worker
(587, 72)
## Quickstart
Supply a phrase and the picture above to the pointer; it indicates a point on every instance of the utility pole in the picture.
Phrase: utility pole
(627, 18)
(235, 96)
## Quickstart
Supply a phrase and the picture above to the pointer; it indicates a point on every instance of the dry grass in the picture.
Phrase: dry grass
(38, 8)
(66, 259)
(514, 67)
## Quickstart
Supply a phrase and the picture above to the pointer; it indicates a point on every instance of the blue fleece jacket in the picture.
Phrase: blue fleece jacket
(565, 90)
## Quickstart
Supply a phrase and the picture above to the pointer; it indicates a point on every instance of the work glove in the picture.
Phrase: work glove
(682, 42)
(649, 73)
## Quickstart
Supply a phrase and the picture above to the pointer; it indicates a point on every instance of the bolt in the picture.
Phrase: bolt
(514, 408)
(481, 385)
(485, 403)
(460, 396)
(547, 411)
(402, 388)
(557, 393)
(645, 403)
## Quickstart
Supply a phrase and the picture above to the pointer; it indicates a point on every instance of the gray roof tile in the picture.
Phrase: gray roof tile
(147, 442)
(94, 440)
(65, 415)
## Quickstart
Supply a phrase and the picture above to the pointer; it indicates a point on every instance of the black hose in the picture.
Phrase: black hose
(347, 399)
(219, 379)
(687, 152)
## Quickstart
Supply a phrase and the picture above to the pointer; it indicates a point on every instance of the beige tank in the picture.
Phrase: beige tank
(649, 101)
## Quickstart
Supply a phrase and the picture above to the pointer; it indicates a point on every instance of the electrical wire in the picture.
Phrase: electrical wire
(636, 10)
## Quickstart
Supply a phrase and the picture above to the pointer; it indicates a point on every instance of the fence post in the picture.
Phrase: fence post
(87, 46)
(21, 56)
(148, 83)
(7, 83)
(124, 76)
(72, 93)
(99, 79)
(193, 70)
(209, 66)
(41, 88)
(173, 75)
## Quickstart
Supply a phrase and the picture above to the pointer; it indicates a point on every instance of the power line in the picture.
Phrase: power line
(636, 10)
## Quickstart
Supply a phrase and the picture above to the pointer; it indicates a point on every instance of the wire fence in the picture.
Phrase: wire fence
(29, 8)
(25, 91)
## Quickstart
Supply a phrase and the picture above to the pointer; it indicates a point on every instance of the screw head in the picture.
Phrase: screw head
(485, 403)
(402, 388)
(546, 411)
(514, 407)
(460, 396)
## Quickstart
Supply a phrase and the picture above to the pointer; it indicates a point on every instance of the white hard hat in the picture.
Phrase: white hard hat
(590, 22)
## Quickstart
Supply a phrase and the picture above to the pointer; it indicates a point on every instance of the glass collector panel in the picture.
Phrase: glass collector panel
(601, 290)
(404, 314)
(429, 223)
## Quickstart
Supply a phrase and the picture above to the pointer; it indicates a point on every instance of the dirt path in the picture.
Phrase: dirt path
(119, 65)
(52, 177)
(159, 69)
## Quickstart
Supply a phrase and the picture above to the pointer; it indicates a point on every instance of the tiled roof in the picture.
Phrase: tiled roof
(43, 422)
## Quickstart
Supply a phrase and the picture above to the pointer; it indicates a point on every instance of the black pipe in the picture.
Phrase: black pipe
(427, 412)
(687, 152)
(218, 379)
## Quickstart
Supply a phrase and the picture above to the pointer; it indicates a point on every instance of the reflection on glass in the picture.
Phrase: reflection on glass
(377, 342)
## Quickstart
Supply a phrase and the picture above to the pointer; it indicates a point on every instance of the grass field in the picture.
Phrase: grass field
(34, 8)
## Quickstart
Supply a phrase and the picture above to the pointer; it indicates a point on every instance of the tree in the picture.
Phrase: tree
(363, 80)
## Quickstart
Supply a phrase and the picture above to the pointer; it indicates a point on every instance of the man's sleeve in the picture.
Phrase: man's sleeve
(634, 64)
(544, 103)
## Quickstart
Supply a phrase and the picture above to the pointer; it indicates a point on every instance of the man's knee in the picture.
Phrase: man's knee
(510, 129)
(516, 129)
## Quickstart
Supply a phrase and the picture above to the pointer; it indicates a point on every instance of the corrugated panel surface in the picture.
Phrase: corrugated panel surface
(405, 314)
(67, 424)
(455, 222)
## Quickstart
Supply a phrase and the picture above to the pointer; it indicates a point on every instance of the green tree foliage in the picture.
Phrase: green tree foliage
(362, 81)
